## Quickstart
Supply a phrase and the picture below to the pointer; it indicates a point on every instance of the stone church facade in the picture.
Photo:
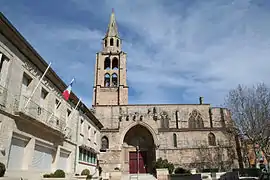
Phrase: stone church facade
(136, 135)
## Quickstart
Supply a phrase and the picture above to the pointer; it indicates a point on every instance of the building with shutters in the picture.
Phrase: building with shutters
(136, 135)
(40, 137)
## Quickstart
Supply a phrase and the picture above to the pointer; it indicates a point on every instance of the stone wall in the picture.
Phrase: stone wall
(118, 120)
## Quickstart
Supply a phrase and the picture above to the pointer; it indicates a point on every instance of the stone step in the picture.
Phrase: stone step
(138, 177)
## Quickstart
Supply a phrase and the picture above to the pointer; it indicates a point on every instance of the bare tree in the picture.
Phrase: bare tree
(250, 108)
(213, 157)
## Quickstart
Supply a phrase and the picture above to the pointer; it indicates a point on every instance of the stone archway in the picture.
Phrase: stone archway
(139, 150)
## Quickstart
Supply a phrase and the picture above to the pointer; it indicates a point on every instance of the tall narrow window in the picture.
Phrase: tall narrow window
(211, 139)
(44, 93)
(4, 66)
(114, 80)
(107, 63)
(57, 103)
(111, 42)
(68, 112)
(107, 80)
(89, 133)
(80, 154)
(104, 143)
(177, 119)
(81, 126)
(26, 81)
(117, 43)
(1, 61)
(115, 63)
(105, 43)
(95, 136)
(174, 140)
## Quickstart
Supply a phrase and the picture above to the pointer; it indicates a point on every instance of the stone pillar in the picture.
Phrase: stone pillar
(163, 174)
(56, 158)
(4, 72)
(29, 153)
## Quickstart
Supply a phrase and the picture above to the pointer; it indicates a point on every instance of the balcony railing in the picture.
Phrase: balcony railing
(3, 96)
(36, 112)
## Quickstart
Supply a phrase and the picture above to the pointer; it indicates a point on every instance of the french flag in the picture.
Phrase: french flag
(67, 91)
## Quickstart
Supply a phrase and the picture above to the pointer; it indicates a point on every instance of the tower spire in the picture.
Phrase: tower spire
(112, 30)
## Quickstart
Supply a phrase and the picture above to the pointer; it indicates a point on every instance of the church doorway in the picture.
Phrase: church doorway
(140, 148)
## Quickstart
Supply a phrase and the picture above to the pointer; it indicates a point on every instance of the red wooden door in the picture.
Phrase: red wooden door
(133, 162)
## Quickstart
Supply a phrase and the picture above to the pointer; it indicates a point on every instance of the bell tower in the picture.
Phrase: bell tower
(110, 83)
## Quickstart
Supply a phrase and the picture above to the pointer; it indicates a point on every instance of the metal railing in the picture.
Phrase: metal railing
(35, 111)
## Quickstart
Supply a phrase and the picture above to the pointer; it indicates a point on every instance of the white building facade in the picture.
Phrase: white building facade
(45, 133)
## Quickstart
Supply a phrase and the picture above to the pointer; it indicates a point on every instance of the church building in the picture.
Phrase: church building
(136, 135)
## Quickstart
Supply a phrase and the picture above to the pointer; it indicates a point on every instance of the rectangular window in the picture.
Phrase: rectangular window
(95, 158)
(44, 93)
(95, 138)
(26, 80)
(92, 158)
(80, 154)
(81, 126)
(68, 112)
(84, 155)
(1, 61)
(89, 133)
(89, 157)
(57, 103)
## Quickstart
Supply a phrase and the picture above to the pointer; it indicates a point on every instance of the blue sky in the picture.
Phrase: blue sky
(177, 50)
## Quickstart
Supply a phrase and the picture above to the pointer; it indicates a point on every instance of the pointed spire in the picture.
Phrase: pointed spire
(112, 30)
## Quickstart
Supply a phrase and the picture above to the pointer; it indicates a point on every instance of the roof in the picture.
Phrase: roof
(112, 30)
(152, 105)
(13, 35)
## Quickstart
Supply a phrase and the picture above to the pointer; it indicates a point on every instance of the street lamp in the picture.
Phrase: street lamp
(138, 162)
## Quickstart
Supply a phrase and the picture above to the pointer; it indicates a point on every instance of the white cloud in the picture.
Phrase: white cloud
(219, 44)
(175, 51)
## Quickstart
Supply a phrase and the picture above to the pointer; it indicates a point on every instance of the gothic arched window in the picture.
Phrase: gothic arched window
(105, 43)
(117, 43)
(195, 120)
(211, 139)
(104, 143)
(107, 80)
(107, 63)
(114, 80)
(115, 63)
(174, 140)
(111, 42)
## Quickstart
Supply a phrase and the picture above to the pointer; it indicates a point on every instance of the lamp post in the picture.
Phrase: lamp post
(138, 162)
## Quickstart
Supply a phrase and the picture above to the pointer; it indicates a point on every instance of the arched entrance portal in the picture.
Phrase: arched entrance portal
(140, 150)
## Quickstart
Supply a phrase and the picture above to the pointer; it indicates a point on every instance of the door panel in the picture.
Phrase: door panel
(133, 162)
(16, 154)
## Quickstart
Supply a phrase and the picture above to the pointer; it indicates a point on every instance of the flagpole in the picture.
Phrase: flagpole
(37, 86)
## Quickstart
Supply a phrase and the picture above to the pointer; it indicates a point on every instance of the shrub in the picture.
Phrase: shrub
(89, 177)
(180, 170)
(2, 169)
(163, 163)
(47, 175)
(59, 173)
(85, 172)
